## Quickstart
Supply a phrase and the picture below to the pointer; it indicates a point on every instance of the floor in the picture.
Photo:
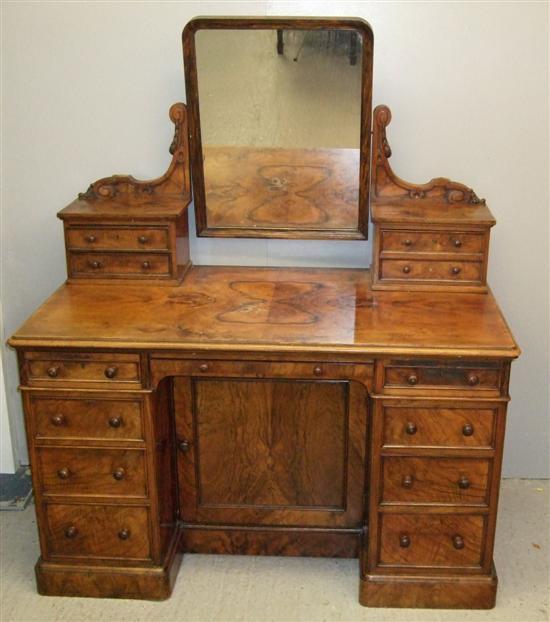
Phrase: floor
(256, 589)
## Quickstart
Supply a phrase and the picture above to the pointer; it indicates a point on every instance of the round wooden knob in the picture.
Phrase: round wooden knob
(115, 422)
(473, 380)
(407, 242)
(143, 239)
(203, 366)
(463, 482)
(184, 446)
(404, 541)
(456, 270)
(91, 239)
(467, 429)
(53, 372)
(58, 420)
(412, 379)
(318, 371)
(406, 269)
(410, 428)
(458, 542)
(119, 474)
(407, 481)
(146, 265)
(110, 372)
(63, 473)
(71, 532)
(94, 264)
(124, 534)
(457, 243)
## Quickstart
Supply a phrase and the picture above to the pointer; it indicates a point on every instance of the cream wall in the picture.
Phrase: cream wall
(85, 92)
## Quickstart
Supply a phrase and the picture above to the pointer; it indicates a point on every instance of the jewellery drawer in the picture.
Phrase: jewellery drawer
(100, 265)
(117, 238)
(91, 472)
(408, 423)
(432, 242)
(97, 531)
(431, 540)
(53, 368)
(431, 270)
(435, 480)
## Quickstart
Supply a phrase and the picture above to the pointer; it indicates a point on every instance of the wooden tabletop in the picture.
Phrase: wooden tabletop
(277, 309)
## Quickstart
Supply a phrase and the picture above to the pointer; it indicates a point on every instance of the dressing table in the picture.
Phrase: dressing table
(174, 409)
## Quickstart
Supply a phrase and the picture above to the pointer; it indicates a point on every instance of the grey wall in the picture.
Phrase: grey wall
(86, 91)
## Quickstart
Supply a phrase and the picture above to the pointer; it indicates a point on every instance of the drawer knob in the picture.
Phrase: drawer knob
(115, 422)
(456, 270)
(458, 542)
(318, 371)
(91, 239)
(63, 473)
(146, 265)
(463, 482)
(473, 380)
(412, 379)
(410, 428)
(407, 481)
(406, 269)
(111, 372)
(58, 420)
(95, 265)
(119, 474)
(53, 372)
(467, 429)
(203, 367)
(184, 446)
(407, 242)
(457, 243)
(404, 541)
(71, 532)
(143, 239)
(124, 534)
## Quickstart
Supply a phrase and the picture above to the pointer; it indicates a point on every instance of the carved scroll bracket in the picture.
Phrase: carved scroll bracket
(175, 182)
(386, 185)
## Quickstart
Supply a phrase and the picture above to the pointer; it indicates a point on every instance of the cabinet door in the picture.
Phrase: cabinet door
(271, 451)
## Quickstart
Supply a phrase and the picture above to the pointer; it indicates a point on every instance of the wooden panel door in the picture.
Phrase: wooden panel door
(271, 451)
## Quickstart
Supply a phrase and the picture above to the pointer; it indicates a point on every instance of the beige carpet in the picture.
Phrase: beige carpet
(257, 589)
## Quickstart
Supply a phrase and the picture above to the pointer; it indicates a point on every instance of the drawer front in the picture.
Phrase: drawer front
(414, 425)
(76, 418)
(51, 368)
(435, 480)
(127, 265)
(419, 270)
(97, 531)
(432, 242)
(118, 238)
(431, 540)
(92, 472)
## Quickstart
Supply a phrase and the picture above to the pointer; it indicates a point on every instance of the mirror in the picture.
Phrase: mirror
(279, 126)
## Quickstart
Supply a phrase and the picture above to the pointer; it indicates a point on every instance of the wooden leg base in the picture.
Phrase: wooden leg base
(429, 592)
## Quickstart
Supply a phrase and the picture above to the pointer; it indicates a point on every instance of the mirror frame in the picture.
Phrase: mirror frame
(195, 144)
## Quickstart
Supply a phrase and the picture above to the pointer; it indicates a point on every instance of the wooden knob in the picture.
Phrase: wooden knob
(467, 429)
(463, 482)
(143, 239)
(412, 379)
(407, 242)
(410, 428)
(406, 269)
(407, 481)
(457, 243)
(110, 372)
(146, 265)
(94, 264)
(458, 542)
(203, 367)
(63, 473)
(91, 239)
(71, 532)
(124, 534)
(404, 541)
(115, 422)
(58, 420)
(53, 372)
(456, 270)
(318, 371)
(473, 380)
(119, 474)
(184, 446)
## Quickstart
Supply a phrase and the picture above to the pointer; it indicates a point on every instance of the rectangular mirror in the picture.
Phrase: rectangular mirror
(279, 125)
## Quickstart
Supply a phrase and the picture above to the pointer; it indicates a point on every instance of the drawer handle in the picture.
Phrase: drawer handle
(71, 532)
(473, 380)
(111, 372)
(404, 541)
(463, 483)
(318, 371)
(456, 270)
(115, 422)
(91, 239)
(53, 372)
(407, 242)
(412, 379)
(407, 481)
(410, 428)
(58, 420)
(143, 239)
(124, 534)
(458, 542)
(184, 446)
(119, 474)
(457, 243)
(467, 429)
(406, 269)
(63, 473)
(203, 367)
(146, 265)
(95, 265)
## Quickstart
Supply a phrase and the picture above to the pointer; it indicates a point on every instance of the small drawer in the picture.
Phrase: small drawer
(420, 270)
(435, 480)
(118, 238)
(124, 265)
(91, 472)
(105, 532)
(431, 540)
(82, 369)
(58, 418)
(410, 424)
(432, 242)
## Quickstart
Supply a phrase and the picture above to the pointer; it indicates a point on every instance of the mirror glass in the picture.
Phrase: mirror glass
(280, 131)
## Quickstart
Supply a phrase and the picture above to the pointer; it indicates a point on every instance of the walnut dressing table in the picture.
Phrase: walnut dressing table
(175, 409)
